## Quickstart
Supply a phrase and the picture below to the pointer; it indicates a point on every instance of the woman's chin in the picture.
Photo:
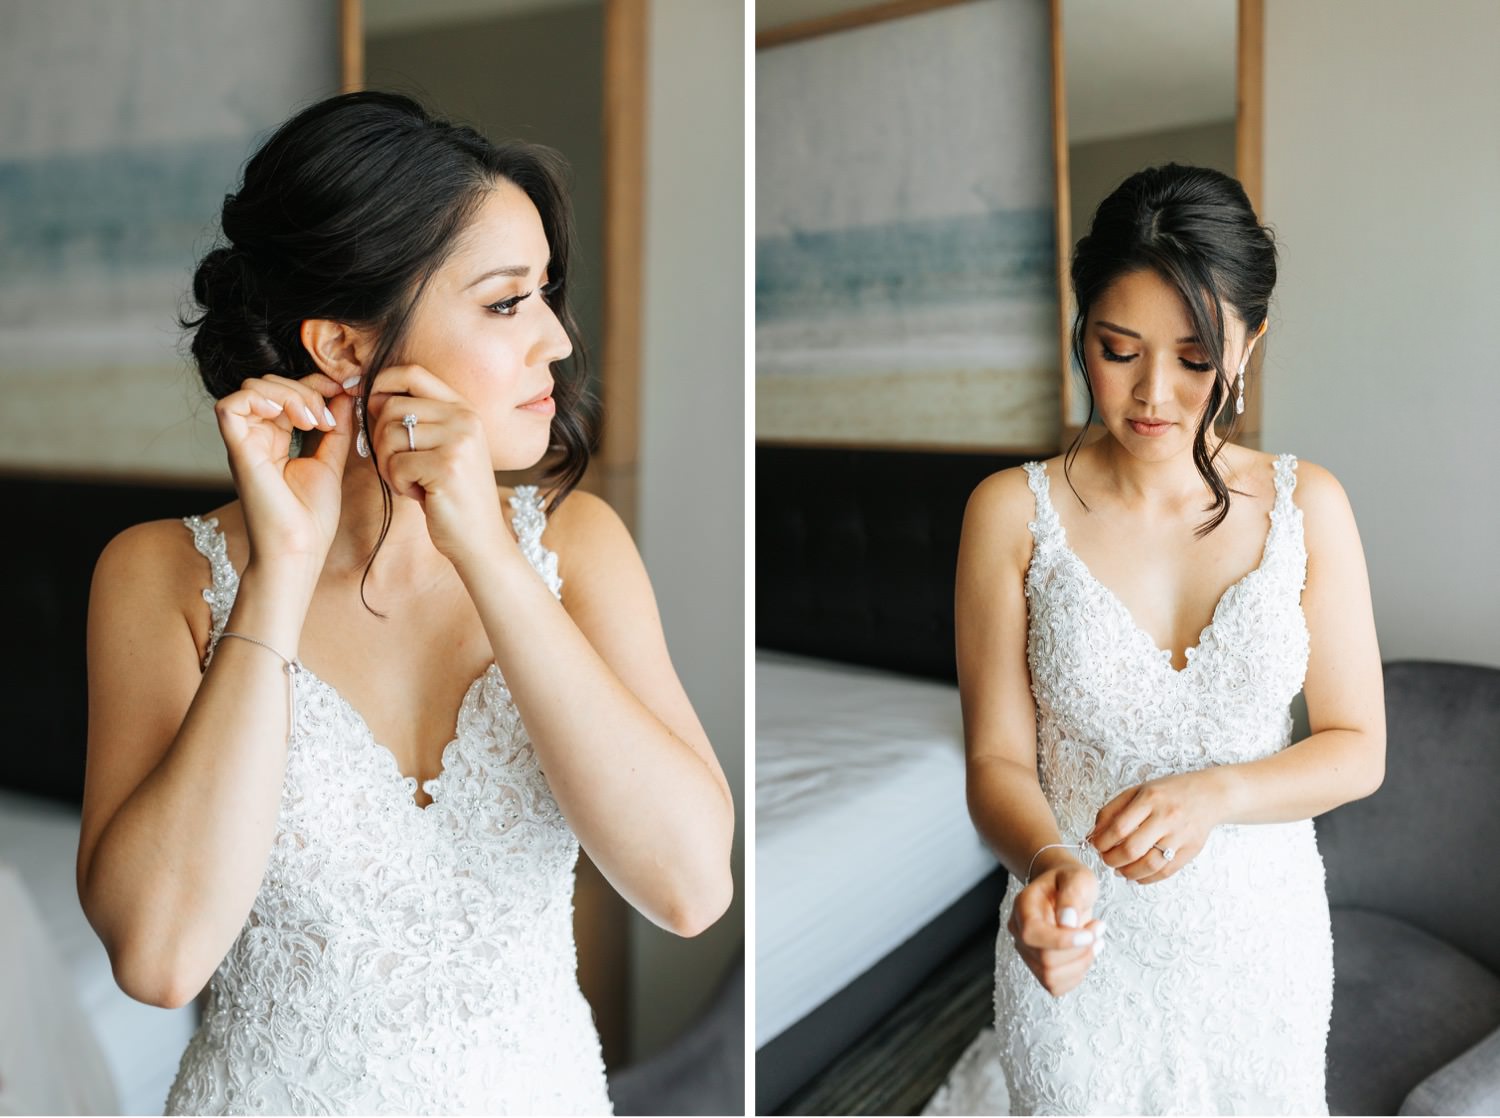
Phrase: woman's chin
(521, 454)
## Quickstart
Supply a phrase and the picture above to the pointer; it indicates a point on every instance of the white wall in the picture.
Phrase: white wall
(692, 496)
(1382, 180)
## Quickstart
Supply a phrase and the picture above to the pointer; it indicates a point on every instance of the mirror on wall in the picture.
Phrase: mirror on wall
(530, 71)
(1148, 82)
(534, 71)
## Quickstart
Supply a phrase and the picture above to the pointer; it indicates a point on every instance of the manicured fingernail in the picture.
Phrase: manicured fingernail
(1098, 948)
(1068, 918)
(1100, 928)
(328, 415)
(1083, 939)
(307, 411)
(352, 381)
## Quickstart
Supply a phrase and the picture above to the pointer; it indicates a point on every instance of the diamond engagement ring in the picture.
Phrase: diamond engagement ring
(1166, 852)
(409, 421)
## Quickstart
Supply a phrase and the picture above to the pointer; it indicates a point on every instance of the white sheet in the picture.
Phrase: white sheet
(141, 1044)
(862, 831)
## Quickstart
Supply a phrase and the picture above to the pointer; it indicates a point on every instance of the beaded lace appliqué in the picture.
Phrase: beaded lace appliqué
(1215, 992)
(402, 959)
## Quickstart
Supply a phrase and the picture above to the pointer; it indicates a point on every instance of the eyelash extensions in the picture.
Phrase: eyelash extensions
(1110, 355)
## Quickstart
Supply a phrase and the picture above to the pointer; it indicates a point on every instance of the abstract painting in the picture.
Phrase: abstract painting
(122, 127)
(906, 289)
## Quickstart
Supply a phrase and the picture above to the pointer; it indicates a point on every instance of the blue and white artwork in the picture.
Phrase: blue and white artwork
(122, 128)
(906, 287)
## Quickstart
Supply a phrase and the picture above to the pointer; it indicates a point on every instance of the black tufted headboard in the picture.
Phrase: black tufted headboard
(58, 530)
(855, 552)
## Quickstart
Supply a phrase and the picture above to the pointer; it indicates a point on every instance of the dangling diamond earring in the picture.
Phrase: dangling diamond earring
(1239, 403)
(361, 444)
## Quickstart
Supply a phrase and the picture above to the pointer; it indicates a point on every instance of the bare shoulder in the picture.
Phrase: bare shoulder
(996, 519)
(584, 530)
(1327, 516)
(154, 568)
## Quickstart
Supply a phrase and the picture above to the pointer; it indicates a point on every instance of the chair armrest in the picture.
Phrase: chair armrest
(1468, 1085)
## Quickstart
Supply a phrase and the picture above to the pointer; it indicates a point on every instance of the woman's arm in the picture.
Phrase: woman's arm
(1343, 758)
(184, 772)
(623, 752)
(994, 682)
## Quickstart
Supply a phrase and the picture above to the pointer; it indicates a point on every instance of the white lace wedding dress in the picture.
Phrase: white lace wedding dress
(402, 959)
(1214, 993)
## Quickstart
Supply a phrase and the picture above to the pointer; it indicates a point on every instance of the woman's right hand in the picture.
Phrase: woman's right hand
(291, 505)
(1048, 918)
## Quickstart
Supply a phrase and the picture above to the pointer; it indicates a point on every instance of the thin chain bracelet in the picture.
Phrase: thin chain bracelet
(291, 667)
(1049, 846)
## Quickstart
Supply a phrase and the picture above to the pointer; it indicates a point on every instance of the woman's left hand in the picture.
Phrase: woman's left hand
(449, 473)
(1176, 812)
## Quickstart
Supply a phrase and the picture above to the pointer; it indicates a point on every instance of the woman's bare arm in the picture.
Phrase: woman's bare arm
(623, 752)
(1343, 758)
(184, 771)
(1004, 793)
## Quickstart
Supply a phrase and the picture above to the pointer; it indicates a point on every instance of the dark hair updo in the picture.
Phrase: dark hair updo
(345, 213)
(1194, 227)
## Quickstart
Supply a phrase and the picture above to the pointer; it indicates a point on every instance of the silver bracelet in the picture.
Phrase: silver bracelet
(1049, 846)
(291, 667)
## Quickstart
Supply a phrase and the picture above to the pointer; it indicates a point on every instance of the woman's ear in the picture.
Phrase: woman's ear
(337, 348)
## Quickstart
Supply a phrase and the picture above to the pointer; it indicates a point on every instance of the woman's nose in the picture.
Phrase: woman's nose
(1152, 388)
(554, 344)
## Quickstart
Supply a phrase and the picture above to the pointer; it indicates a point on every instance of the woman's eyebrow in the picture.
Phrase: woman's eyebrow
(1133, 334)
(504, 270)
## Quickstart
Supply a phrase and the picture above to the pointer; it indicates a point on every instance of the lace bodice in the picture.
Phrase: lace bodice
(397, 958)
(1215, 991)
(1112, 710)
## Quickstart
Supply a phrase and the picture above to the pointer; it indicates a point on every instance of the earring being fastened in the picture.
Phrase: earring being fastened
(361, 444)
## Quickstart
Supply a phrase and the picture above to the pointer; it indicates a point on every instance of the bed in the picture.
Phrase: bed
(869, 873)
(71, 1042)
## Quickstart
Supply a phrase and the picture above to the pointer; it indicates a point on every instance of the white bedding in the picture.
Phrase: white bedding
(862, 832)
(48, 935)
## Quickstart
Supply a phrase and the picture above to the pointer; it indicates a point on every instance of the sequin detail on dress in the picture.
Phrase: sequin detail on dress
(402, 959)
(1215, 993)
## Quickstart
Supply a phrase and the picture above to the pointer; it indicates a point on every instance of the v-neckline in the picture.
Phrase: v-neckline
(390, 757)
(1189, 654)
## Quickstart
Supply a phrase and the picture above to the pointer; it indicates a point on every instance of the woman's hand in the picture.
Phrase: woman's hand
(291, 505)
(1052, 926)
(1176, 812)
(449, 473)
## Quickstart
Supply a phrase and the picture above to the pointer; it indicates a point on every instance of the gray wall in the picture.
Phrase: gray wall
(692, 481)
(1382, 172)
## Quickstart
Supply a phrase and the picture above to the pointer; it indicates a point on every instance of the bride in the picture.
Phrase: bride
(1126, 666)
(378, 891)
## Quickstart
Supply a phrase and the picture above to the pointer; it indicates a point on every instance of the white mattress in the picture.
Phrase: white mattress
(862, 830)
(141, 1044)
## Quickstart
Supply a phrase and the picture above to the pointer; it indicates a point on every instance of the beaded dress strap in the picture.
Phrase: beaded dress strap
(530, 520)
(1286, 518)
(212, 545)
(1286, 480)
(1045, 527)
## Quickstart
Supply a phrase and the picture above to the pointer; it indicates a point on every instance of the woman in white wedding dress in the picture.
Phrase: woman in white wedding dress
(1127, 665)
(358, 826)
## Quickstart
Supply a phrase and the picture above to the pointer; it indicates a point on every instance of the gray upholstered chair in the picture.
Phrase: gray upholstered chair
(1414, 888)
(700, 1072)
